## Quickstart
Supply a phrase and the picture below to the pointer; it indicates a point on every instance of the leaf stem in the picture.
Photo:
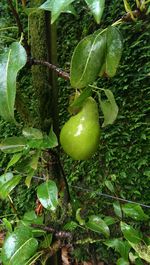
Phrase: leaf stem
(97, 88)
(34, 258)
(12, 206)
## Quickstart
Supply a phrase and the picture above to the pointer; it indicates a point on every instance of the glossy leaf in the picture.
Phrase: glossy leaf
(120, 246)
(97, 8)
(13, 145)
(18, 247)
(117, 209)
(10, 63)
(142, 250)
(87, 59)
(114, 50)
(48, 195)
(56, 7)
(122, 261)
(70, 9)
(109, 108)
(7, 183)
(134, 211)
(96, 224)
(32, 133)
(130, 233)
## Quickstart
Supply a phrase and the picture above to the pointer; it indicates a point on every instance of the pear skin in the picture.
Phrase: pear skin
(80, 135)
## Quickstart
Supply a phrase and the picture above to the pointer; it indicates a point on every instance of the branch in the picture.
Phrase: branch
(20, 27)
(57, 234)
(58, 71)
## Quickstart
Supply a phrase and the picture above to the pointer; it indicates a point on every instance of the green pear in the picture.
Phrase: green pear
(80, 135)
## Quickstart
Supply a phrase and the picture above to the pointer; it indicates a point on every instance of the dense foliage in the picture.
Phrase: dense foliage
(120, 167)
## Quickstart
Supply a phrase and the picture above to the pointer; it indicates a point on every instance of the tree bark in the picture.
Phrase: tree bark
(43, 47)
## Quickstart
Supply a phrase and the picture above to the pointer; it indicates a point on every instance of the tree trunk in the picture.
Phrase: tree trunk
(43, 47)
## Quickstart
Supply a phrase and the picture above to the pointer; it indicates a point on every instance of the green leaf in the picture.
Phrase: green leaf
(134, 211)
(120, 246)
(122, 261)
(109, 108)
(142, 250)
(56, 7)
(70, 226)
(10, 63)
(32, 133)
(52, 138)
(96, 224)
(13, 145)
(114, 50)
(78, 102)
(31, 218)
(14, 160)
(29, 177)
(130, 233)
(33, 164)
(7, 183)
(8, 225)
(48, 195)
(18, 247)
(109, 185)
(117, 209)
(70, 9)
(97, 8)
(87, 59)
(48, 141)
(47, 241)
(109, 220)
(79, 218)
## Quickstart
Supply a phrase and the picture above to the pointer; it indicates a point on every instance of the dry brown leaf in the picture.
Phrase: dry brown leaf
(65, 256)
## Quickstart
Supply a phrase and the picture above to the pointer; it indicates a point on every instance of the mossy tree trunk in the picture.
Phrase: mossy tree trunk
(43, 47)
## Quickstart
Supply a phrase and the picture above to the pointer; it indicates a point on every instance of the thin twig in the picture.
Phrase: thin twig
(109, 196)
(53, 67)
(20, 27)
(58, 234)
